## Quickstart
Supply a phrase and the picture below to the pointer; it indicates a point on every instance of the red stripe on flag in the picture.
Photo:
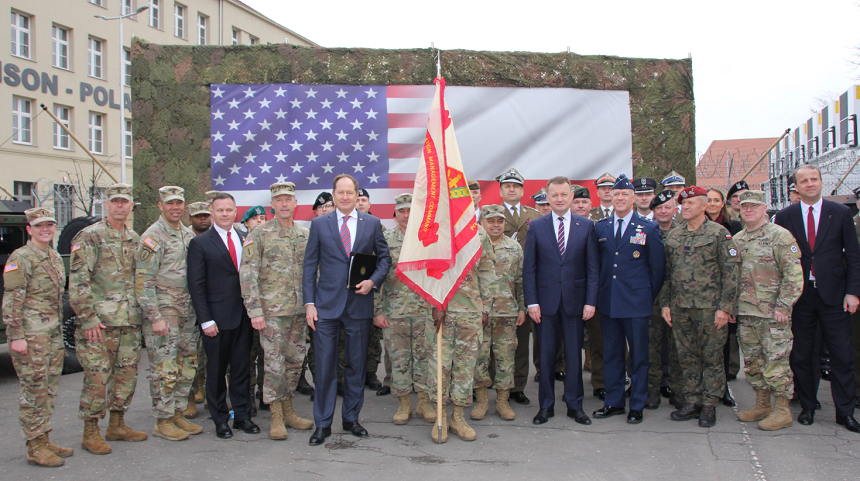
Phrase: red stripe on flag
(404, 151)
(406, 181)
(412, 92)
(402, 121)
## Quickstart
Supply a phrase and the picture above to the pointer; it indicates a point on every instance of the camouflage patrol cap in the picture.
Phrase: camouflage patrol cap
(580, 192)
(282, 188)
(37, 215)
(540, 197)
(403, 201)
(473, 185)
(171, 192)
(210, 195)
(121, 191)
(492, 211)
(752, 197)
(198, 208)
(511, 176)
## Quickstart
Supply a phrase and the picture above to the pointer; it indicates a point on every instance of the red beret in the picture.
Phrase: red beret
(692, 191)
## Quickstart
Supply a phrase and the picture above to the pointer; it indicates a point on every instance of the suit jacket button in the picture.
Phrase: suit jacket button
(613, 277)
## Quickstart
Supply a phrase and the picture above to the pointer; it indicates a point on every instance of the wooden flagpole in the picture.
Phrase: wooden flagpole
(439, 402)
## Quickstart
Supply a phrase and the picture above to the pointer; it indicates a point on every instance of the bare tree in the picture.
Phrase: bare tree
(823, 100)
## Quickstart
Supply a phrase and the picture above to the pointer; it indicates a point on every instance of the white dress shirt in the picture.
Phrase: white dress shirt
(351, 224)
(234, 237)
(816, 215)
(517, 208)
(478, 214)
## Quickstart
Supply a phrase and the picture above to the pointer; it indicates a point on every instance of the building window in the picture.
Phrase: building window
(127, 6)
(20, 35)
(201, 29)
(235, 37)
(97, 132)
(98, 195)
(127, 138)
(179, 21)
(100, 3)
(154, 12)
(22, 116)
(64, 203)
(23, 191)
(126, 67)
(61, 137)
(253, 40)
(95, 48)
(60, 51)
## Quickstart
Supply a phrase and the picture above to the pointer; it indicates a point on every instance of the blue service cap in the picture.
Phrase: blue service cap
(622, 182)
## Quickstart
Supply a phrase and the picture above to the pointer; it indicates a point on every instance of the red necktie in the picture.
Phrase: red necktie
(810, 235)
(344, 235)
(232, 249)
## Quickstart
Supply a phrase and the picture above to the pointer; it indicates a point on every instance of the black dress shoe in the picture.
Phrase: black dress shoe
(688, 411)
(607, 411)
(825, 374)
(520, 397)
(356, 429)
(817, 405)
(728, 400)
(303, 387)
(600, 394)
(634, 417)
(652, 405)
(373, 382)
(319, 435)
(806, 417)
(559, 376)
(252, 412)
(857, 402)
(543, 416)
(708, 417)
(666, 392)
(247, 425)
(849, 422)
(222, 430)
(385, 391)
(579, 416)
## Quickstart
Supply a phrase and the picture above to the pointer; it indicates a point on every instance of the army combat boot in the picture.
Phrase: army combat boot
(277, 430)
(760, 410)
(708, 417)
(118, 431)
(503, 407)
(191, 411)
(92, 440)
(292, 419)
(482, 404)
(180, 422)
(404, 410)
(425, 408)
(459, 427)
(434, 434)
(38, 453)
(688, 411)
(780, 417)
(164, 428)
(58, 450)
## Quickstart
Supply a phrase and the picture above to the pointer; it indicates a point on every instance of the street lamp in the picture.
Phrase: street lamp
(122, 83)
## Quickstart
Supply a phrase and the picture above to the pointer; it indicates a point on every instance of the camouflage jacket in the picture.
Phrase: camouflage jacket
(160, 282)
(394, 298)
(771, 276)
(471, 296)
(702, 269)
(101, 282)
(34, 281)
(271, 271)
(505, 292)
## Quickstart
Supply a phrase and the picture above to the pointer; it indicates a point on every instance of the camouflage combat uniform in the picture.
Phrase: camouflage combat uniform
(271, 275)
(34, 281)
(162, 292)
(101, 291)
(657, 329)
(702, 275)
(408, 315)
(505, 295)
(771, 281)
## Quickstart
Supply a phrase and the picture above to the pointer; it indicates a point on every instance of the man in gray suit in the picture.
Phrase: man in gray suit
(330, 307)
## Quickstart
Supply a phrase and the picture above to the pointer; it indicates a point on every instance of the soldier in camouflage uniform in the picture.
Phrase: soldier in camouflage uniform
(507, 311)
(169, 324)
(108, 324)
(698, 298)
(271, 275)
(462, 335)
(403, 316)
(771, 282)
(254, 217)
(32, 310)
(197, 213)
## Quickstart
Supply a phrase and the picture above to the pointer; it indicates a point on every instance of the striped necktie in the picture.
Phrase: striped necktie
(344, 235)
(561, 235)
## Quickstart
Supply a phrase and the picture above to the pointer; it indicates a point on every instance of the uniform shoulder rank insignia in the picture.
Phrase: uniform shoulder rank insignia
(76, 247)
(150, 243)
(733, 252)
(11, 267)
(793, 248)
(248, 242)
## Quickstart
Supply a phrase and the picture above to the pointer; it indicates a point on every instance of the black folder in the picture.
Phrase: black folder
(361, 267)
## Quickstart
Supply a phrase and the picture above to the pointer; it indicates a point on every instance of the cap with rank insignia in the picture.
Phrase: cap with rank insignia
(622, 183)
(737, 187)
(210, 195)
(662, 198)
(363, 193)
(403, 201)
(282, 188)
(198, 208)
(473, 185)
(580, 192)
(511, 176)
(37, 215)
(752, 197)
(692, 191)
(540, 197)
(673, 178)
(492, 211)
(253, 212)
(605, 180)
(644, 185)
(171, 192)
(322, 199)
(119, 191)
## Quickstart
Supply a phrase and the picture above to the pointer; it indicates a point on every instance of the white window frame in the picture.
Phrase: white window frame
(21, 35)
(179, 20)
(20, 196)
(155, 14)
(22, 120)
(126, 67)
(252, 40)
(60, 47)
(96, 129)
(62, 140)
(235, 38)
(99, 3)
(64, 203)
(202, 29)
(98, 196)
(95, 57)
(128, 139)
(127, 6)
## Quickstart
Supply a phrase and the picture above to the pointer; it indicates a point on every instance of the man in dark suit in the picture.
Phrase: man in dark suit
(632, 268)
(560, 278)
(213, 282)
(331, 307)
(830, 256)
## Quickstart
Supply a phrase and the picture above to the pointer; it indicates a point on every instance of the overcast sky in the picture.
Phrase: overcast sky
(758, 66)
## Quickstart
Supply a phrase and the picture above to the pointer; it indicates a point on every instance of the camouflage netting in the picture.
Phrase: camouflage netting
(170, 88)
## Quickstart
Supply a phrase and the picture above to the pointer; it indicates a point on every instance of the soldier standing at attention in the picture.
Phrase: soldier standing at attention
(604, 185)
(698, 298)
(108, 334)
(733, 198)
(674, 182)
(32, 310)
(271, 274)
(403, 317)
(507, 311)
(200, 218)
(541, 204)
(475, 192)
(771, 282)
(643, 193)
(169, 323)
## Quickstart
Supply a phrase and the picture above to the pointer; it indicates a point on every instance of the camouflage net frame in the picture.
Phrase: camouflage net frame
(170, 92)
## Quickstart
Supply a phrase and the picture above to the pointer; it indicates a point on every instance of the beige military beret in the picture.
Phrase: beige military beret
(37, 215)
(198, 208)
(122, 191)
(403, 201)
(282, 188)
(171, 192)
(492, 211)
(752, 197)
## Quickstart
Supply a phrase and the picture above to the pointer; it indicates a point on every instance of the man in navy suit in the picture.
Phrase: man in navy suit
(560, 276)
(632, 268)
(830, 257)
(330, 306)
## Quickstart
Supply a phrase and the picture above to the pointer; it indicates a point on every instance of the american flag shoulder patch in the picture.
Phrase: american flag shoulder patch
(150, 243)
(11, 267)
(248, 242)
(76, 247)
